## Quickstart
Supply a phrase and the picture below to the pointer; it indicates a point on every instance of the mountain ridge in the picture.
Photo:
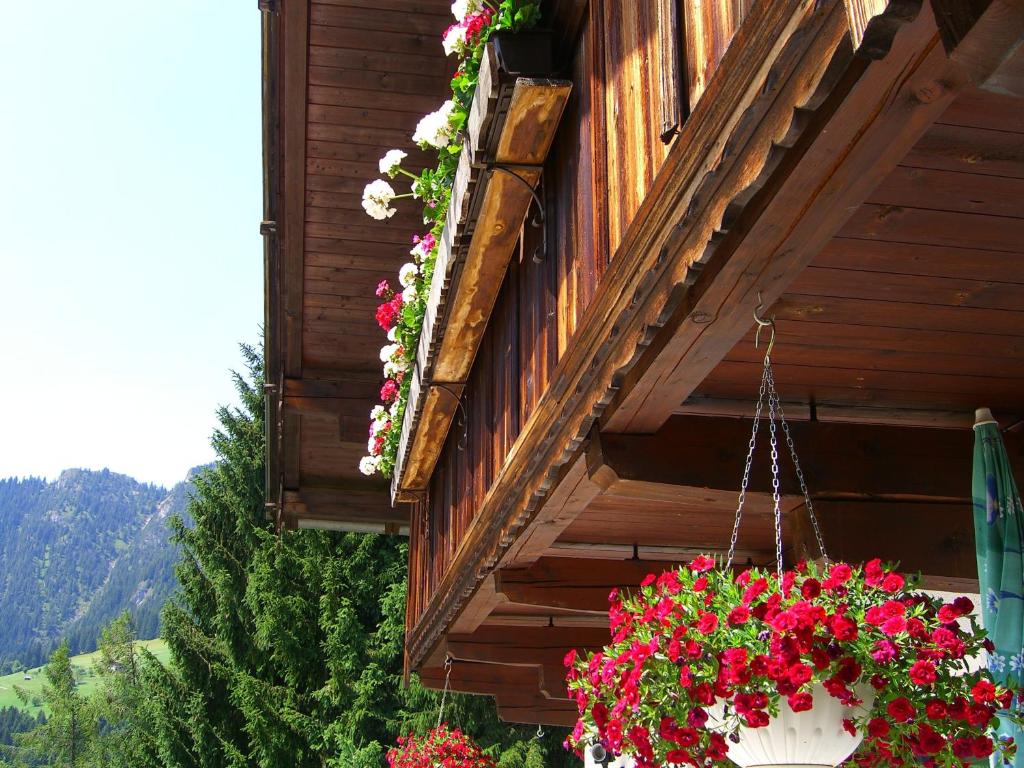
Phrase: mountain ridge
(78, 550)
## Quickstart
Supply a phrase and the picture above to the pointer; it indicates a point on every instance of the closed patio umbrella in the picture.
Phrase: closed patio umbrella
(999, 543)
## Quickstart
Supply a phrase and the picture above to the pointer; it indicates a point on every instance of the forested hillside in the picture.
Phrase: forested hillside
(75, 553)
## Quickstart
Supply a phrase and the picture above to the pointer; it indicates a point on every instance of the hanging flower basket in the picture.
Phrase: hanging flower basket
(440, 747)
(806, 668)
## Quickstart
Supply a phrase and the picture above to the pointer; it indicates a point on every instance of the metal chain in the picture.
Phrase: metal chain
(444, 693)
(746, 468)
(776, 496)
(773, 395)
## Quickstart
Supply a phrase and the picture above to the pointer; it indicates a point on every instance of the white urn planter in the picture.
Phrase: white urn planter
(811, 739)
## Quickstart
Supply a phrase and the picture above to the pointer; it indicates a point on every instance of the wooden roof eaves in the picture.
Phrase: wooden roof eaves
(778, 43)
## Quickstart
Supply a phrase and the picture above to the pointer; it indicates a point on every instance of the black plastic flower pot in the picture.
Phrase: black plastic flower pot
(524, 54)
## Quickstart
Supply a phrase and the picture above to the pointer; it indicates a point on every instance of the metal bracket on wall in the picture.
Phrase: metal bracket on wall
(461, 443)
(539, 219)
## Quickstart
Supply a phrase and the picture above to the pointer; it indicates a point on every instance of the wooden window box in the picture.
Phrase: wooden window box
(511, 126)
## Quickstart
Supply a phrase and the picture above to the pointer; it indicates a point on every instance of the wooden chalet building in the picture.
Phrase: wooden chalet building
(582, 400)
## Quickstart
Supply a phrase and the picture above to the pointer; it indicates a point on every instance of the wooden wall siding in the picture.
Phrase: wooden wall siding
(603, 162)
(543, 297)
(632, 78)
(915, 304)
(374, 70)
(710, 26)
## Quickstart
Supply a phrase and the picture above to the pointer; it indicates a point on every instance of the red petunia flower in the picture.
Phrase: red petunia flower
(800, 702)
(983, 692)
(900, 709)
(878, 728)
(922, 673)
(707, 624)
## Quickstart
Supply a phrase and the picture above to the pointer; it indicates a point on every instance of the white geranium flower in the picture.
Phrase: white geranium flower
(369, 444)
(378, 413)
(462, 8)
(388, 351)
(409, 294)
(435, 129)
(454, 40)
(368, 464)
(407, 274)
(377, 197)
(393, 410)
(393, 334)
(391, 161)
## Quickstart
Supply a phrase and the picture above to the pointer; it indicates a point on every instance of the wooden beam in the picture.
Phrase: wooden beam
(647, 552)
(542, 647)
(581, 585)
(536, 711)
(484, 679)
(861, 134)
(704, 455)
(566, 502)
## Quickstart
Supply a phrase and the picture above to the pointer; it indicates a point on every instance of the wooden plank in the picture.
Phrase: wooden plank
(942, 228)
(829, 282)
(982, 109)
(992, 151)
(330, 95)
(922, 260)
(387, 65)
(950, 191)
(295, 22)
(927, 317)
(354, 38)
(415, 87)
(379, 19)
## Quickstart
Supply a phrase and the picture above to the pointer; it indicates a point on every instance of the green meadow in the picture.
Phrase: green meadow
(84, 674)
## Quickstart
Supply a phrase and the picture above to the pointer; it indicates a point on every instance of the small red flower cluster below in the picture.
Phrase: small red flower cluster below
(439, 747)
(698, 639)
(388, 312)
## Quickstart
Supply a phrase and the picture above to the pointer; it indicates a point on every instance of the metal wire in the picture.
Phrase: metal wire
(746, 468)
(773, 394)
(444, 693)
(776, 497)
(776, 417)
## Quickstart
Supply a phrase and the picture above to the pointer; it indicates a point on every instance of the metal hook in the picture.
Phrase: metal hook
(540, 731)
(762, 323)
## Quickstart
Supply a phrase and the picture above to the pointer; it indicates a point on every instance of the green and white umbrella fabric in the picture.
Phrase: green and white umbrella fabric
(999, 542)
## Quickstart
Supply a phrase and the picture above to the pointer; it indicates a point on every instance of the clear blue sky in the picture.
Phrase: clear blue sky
(130, 258)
